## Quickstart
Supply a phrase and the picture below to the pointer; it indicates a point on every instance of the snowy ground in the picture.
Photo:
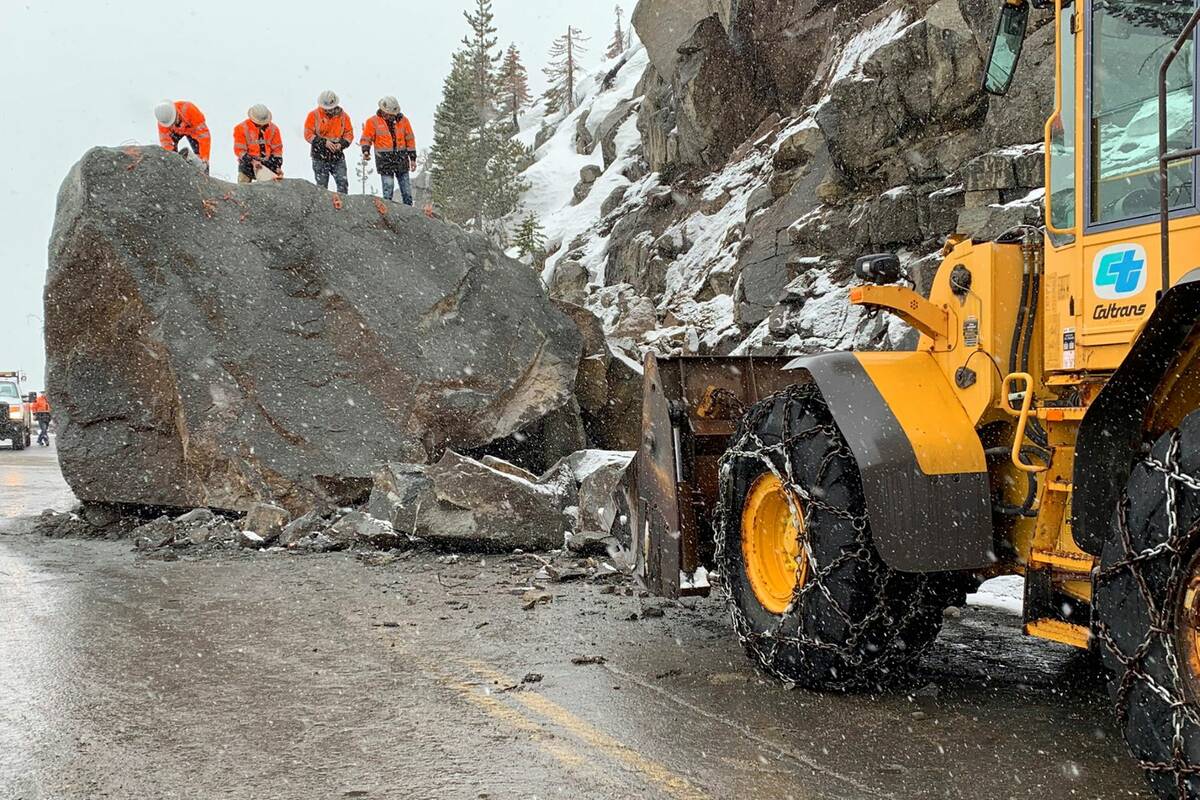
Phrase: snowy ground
(1005, 593)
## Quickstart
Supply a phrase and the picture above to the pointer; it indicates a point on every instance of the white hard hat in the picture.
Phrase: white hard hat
(164, 112)
(328, 100)
(259, 114)
(389, 105)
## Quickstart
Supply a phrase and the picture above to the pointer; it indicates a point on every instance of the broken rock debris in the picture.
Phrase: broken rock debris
(458, 503)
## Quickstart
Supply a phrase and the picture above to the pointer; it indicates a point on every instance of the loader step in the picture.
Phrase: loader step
(1058, 631)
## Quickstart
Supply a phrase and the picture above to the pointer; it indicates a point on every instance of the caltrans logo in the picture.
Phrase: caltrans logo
(1119, 271)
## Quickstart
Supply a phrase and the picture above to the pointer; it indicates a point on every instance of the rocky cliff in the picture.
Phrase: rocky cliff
(729, 168)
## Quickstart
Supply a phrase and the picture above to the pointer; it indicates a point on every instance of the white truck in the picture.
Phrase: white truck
(16, 420)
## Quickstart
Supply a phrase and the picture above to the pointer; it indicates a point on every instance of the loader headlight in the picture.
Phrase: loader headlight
(16, 412)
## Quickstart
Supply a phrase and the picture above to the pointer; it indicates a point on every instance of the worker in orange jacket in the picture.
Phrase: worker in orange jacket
(391, 134)
(257, 143)
(329, 130)
(40, 409)
(181, 120)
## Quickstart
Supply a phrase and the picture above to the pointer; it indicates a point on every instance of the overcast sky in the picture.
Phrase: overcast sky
(79, 73)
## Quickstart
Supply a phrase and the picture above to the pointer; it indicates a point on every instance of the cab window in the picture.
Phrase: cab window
(1062, 135)
(1130, 39)
(9, 391)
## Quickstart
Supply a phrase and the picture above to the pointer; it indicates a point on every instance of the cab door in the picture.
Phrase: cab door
(1119, 255)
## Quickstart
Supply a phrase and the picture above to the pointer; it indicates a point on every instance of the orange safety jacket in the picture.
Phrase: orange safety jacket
(40, 406)
(189, 123)
(376, 134)
(260, 143)
(321, 125)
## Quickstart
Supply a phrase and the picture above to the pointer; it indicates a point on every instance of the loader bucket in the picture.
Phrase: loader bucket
(690, 408)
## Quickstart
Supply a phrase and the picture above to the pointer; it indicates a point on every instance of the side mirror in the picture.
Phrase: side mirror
(879, 268)
(1006, 47)
(32, 398)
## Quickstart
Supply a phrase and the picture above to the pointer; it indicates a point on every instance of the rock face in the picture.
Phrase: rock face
(665, 25)
(218, 345)
(779, 140)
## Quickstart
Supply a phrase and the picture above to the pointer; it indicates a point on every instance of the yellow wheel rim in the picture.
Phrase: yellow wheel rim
(1187, 628)
(771, 551)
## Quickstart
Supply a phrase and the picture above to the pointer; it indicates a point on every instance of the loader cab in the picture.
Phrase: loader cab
(1104, 250)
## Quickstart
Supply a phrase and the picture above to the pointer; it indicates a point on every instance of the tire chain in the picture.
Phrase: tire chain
(1161, 612)
(777, 458)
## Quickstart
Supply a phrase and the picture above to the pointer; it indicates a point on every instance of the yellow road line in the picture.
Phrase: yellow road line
(517, 720)
(676, 785)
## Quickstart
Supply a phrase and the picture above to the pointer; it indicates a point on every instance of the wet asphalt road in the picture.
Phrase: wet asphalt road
(282, 676)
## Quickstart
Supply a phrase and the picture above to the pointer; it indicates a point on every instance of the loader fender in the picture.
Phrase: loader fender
(1110, 435)
(923, 469)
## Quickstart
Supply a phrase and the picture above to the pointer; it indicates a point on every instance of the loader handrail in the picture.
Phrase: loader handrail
(1026, 397)
(1165, 159)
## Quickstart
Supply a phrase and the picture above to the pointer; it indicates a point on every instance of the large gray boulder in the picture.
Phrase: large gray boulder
(219, 345)
(664, 25)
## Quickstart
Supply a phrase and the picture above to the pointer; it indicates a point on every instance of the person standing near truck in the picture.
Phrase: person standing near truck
(329, 130)
(41, 412)
(391, 134)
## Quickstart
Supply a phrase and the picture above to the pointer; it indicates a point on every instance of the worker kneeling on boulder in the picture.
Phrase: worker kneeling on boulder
(258, 146)
(329, 130)
(391, 134)
(181, 120)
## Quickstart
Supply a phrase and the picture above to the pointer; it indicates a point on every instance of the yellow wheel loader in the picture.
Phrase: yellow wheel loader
(1046, 425)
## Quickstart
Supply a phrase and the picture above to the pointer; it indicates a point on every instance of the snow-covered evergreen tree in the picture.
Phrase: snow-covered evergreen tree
(618, 43)
(564, 70)
(514, 86)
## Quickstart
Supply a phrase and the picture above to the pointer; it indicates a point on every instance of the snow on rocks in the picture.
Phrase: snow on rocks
(884, 146)
(863, 44)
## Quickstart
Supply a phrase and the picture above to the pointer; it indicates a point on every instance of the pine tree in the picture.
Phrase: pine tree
(453, 157)
(514, 86)
(617, 46)
(529, 238)
(475, 164)
(503, 160)
(563, 71)
(483, 57)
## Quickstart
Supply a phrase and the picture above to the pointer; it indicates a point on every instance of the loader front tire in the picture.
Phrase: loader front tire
(1147, 612)
(792, 508)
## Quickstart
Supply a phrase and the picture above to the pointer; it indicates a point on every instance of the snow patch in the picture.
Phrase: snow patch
(1006, 593)
(864, 44)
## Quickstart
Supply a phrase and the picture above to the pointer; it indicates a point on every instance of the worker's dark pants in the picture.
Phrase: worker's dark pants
(322, 169)
(44, 432)
(390, 179)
